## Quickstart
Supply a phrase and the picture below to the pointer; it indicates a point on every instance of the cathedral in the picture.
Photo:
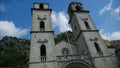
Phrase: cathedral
(89, 50)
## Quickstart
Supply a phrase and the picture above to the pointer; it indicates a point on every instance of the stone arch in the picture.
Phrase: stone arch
(98, 48)
(43, 50)
(78, 8)
(87, 25)
(77, 64)
(42, 26)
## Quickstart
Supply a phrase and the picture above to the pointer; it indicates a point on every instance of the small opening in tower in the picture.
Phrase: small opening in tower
(78, 8)
(41, 6)
(43, 52)
(65, 53)
(98, 48)
(75, 28)
(42, 26)
(87, 25)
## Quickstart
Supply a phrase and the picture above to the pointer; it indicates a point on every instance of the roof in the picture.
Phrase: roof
(118, 48)
(61, 42)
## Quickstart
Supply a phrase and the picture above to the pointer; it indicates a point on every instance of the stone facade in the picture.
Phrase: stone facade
(85, 31)
(42, 50)
(114, 57)
(89, 50)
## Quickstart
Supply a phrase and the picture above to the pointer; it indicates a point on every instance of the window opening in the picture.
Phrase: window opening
(43, 53)
(42, 26)
(87, 25)
(65, 51)
(98, 48)
(75, 28)
(78, 8)
(41, 6)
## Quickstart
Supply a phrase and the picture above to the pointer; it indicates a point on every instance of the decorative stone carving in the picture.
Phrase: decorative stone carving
(41, 18)
(94, 39)
(42, 41)
(84, 19)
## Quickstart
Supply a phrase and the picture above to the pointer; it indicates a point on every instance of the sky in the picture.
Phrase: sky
(16, 19)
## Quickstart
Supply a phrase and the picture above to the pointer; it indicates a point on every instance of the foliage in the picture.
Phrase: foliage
(64, 36)
(14, 52)
(115, 43)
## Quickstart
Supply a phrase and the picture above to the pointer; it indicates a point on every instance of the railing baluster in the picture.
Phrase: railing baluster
(43, 58)
(71, 57)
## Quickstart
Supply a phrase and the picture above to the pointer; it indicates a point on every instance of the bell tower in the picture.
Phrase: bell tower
(87, 37)
(42, 51)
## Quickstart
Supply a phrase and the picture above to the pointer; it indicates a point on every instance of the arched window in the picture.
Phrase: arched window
(98, 48)
(87, 25)
(43, 53)
(43, 50)
(78, 8)
(42, 26)
(75, 28)
(65, 51)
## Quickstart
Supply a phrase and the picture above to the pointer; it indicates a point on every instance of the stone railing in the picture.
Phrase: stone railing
(43, 58)
(42, 29)
(72, 57)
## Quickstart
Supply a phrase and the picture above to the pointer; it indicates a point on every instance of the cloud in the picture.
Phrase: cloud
(116, 12)
(110, 36)
(8, 28)
(2, 7)
(60, 20)
(106, 8)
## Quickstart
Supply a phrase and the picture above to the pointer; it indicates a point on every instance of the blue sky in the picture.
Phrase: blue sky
(15, 16)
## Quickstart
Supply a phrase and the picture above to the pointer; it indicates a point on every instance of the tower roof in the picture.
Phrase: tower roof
(72, 3)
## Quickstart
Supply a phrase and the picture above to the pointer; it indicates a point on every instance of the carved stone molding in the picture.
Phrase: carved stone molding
(94, 39)
(41, 18)
(42, 41)
(84, 19)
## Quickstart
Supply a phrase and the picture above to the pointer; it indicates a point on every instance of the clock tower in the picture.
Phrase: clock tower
(42, 51)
